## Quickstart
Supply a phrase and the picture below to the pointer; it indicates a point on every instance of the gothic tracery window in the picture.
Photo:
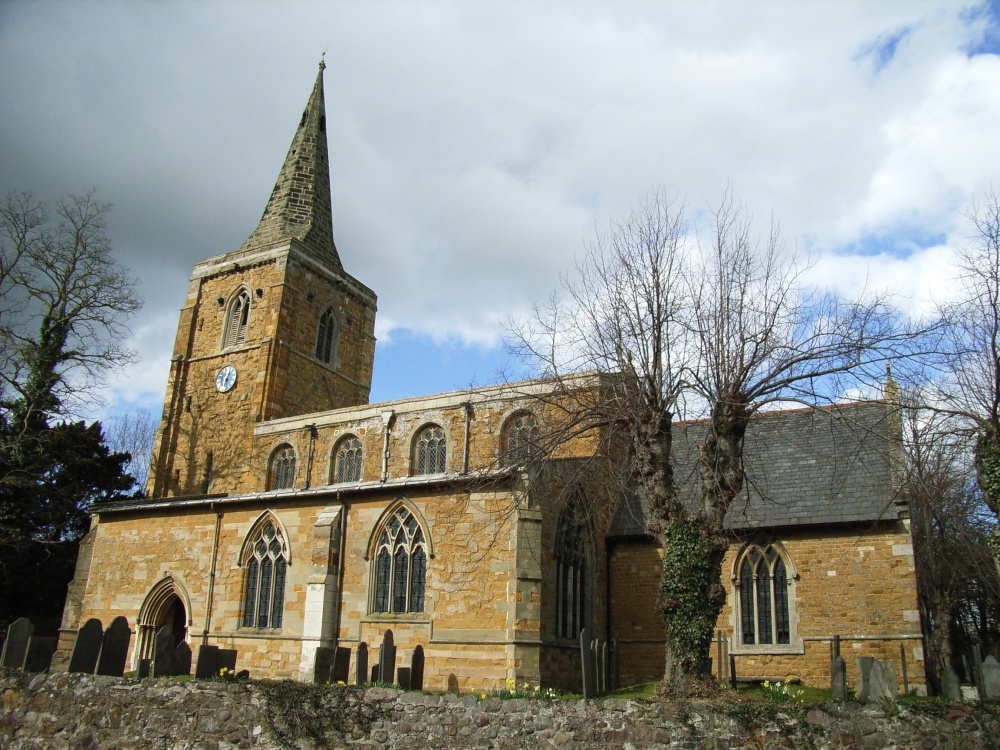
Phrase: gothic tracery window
(400, 564)
(520, 439)
(431, 451)
(326, 336)
(572, 575)
(347, 460)
(763, 597)
(237, 317)
(266, 563)
(282, 469)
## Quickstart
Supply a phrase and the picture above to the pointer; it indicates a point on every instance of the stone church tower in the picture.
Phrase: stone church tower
(274, 329)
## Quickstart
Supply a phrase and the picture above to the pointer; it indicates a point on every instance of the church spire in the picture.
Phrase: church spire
(299, 207)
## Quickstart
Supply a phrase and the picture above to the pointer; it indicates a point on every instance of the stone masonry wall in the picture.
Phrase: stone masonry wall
(82, 712)
(858, 583)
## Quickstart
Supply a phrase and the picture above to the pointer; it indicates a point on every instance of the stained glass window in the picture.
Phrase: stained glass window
(283, 468)
(400, 565)
(763, 597)
(266, 568)
(431, 451)
(347, 460)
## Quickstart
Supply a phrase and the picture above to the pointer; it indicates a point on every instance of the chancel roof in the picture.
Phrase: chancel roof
(803, 467)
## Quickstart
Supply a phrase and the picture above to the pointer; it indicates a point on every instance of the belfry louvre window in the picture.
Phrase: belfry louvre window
(266, 567)
(431, 451)
(347, 460)
(236, 320)
(572, 579)
(282, 471)
(520, 439)
(400, 565)
(326, 336)
(763, 597)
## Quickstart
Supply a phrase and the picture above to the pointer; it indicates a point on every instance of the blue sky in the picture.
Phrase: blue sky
(476, 147)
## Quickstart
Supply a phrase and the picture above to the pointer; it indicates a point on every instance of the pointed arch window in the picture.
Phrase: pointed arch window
(282, 470)
(763, 597)
(431, 451)
(519, 442)
(266, 563)
(237, 317)
(400, 564)
(347, 460)
(327, 335)
(573, 584)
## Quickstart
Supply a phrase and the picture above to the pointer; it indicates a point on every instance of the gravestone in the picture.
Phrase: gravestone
(403, 677)
(182, 659)
(951, 688)
(838, 678)
(323, 665)
(38, 656)
(144, 668)
(586, 664)
(163, 652)
(361, 665)
(876, 679)
(206, 667)
(387, 658)
(243, 674)
(114, 648)
(16, 646)
(87, 647)
(991, 679)
(417, 669)
(341, 671)
(226, 659)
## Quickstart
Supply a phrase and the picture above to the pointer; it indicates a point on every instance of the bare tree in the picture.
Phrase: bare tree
(959, 592)
(65, 303)
(731, 329)
(969, 390)
(133, 432)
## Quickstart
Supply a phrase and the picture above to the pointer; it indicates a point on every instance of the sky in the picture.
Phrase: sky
(476, 148)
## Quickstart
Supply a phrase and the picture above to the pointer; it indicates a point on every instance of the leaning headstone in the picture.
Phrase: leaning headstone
(361, 665)
(387, 657)
(323, 665)
(417, 669)
(38, 657)
(226, 659)
(991, 678)
(586, 664)
(163, 652)
(87, 647)
(16, 645)
(145, 666)
(206, 667)
(341, 665)
(403, 677)
(376, 675)
(951, 689)
(182, 659)
(864, 667)
(114, 648)
(838, 678)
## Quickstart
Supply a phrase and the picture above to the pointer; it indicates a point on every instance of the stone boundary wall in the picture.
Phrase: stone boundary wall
(84, 712)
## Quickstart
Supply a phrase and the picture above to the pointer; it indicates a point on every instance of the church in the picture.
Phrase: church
(286, 515)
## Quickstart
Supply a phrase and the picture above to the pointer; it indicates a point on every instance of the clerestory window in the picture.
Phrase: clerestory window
(400, 564)
(347, 460)
(282, 470)
(266, 563)
(431, 451)
(519, 443)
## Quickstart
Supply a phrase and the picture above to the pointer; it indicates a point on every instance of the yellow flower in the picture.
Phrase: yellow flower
(788, 680)
(482, 696)
(766, 684)
(341, 682)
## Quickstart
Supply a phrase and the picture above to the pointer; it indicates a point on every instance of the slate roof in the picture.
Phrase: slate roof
(803, 467)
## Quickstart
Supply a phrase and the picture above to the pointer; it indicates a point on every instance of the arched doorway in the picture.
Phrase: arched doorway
(167, 604)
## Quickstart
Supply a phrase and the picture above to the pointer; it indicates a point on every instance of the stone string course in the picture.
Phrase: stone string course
(83, 712)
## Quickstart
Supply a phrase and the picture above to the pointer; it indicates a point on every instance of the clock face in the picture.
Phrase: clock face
(226, 379)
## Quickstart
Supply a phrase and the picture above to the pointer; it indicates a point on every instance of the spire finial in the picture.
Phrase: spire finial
(322, 60)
